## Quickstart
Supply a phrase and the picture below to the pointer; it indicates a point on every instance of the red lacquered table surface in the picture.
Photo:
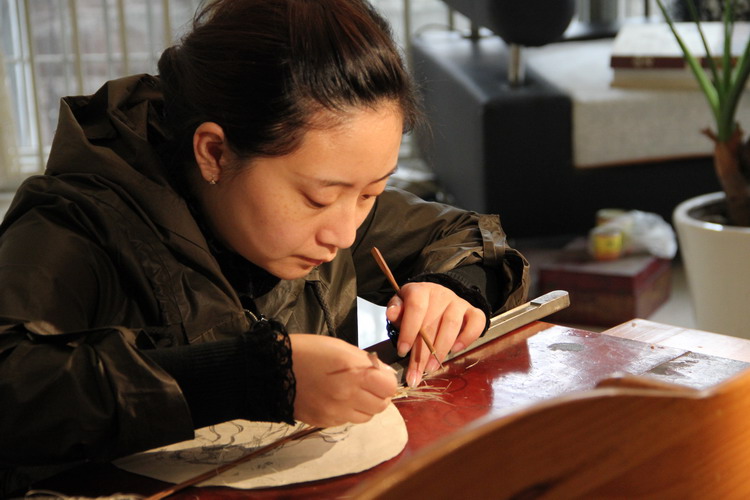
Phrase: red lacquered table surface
(535, 362)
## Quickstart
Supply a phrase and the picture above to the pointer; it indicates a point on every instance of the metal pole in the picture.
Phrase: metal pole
(516, 70)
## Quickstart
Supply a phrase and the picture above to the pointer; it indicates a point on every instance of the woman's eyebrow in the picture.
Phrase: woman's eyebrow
(330, 182)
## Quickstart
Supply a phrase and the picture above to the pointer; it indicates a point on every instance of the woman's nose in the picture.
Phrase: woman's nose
(340, 228)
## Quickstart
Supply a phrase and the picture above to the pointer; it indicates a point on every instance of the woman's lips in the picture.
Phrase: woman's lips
(313, 262)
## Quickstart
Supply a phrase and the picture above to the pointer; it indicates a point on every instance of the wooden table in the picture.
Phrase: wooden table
(534, 363)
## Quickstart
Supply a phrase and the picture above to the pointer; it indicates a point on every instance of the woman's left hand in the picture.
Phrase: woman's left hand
(450, 322)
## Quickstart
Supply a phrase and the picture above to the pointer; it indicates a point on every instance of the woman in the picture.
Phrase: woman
(193, 231)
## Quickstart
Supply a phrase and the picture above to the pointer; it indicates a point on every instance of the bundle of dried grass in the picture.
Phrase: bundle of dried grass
(423, 392)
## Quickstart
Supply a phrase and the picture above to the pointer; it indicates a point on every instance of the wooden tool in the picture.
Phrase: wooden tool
(386, 270)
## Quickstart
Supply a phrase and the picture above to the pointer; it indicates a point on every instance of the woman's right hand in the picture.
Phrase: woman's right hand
(336, 382)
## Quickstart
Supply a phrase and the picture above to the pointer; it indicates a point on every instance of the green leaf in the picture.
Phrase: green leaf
(726, 122)
(705, 83)
(724, 92)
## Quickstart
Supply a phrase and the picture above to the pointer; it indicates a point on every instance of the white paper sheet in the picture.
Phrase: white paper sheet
(332, 452)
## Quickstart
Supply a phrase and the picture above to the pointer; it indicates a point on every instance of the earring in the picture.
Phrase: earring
(212, 181)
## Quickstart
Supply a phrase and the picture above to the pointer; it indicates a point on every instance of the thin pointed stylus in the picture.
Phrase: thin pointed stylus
(384, 267)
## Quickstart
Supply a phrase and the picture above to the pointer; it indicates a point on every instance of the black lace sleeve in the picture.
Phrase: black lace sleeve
(272, 379)
(247, 377)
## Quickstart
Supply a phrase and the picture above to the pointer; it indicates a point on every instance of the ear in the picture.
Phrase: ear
(210, 149)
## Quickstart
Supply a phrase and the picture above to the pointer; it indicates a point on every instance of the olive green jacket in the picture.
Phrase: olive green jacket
(100, 258)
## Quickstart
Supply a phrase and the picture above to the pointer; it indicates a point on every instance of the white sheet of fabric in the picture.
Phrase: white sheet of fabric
(614, 126)
(332, 452)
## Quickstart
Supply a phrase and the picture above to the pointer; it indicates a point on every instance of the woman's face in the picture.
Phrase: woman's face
(290, 213)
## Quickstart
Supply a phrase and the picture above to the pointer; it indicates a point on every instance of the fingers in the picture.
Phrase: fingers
(337, 382)
(380, 382)
(449, 328)
(368, 404)
(422, 359)
(369, 393)
(448, 321)
(394, 308)
(474, 324)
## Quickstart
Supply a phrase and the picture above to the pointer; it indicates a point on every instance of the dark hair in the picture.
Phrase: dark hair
(262, 68)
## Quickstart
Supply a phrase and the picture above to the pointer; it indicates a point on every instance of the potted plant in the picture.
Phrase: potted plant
(714, 229)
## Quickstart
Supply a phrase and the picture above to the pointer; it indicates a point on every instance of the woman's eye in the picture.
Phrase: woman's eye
(315, 204)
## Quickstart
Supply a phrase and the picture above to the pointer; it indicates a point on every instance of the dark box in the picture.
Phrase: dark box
(606, 293)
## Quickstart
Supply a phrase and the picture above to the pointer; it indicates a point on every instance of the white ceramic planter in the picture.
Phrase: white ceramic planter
(717, 266)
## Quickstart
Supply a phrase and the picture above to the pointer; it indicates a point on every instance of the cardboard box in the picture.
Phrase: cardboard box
(606, 293)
